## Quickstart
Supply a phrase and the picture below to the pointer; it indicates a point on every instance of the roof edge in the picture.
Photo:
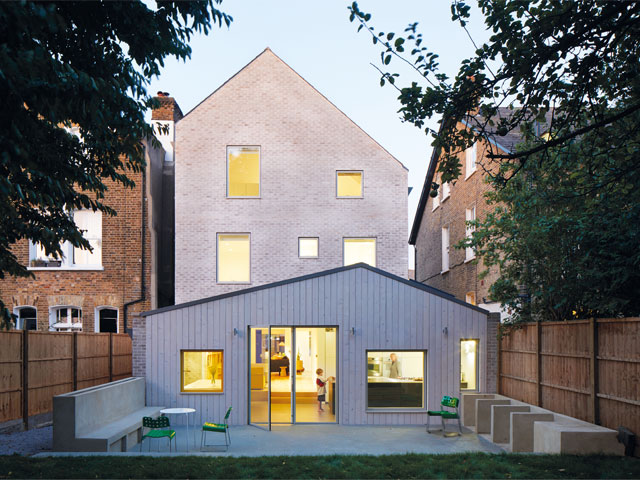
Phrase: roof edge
(411, 283)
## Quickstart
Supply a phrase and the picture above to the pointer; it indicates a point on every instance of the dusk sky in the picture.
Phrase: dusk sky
(317, 40)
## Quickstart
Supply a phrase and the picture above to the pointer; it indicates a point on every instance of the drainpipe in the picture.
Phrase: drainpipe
(142, 262)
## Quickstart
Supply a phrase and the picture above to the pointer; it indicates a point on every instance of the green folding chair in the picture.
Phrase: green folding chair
(219, 428)
(452, 413)
(155, 424)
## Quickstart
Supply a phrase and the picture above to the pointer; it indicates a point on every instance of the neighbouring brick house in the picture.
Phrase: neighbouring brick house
(272, 181)
(440, 222)
(99, 291)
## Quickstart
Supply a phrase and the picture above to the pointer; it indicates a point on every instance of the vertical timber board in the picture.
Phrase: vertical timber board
(538, 363)
(25, 379)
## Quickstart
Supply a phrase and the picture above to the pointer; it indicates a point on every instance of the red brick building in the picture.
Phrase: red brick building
(102, 291)
(440, 224)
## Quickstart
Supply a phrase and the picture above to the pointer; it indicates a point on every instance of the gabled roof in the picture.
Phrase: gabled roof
(411, 283)
(506, 143)
(268, 51)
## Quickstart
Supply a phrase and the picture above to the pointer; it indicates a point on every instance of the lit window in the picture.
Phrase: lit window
(90, 224)
(349, 184)
(470, 214)
(358, 250)
(65, 319)
(243, 171)
(395, 379)
(470, 297)
(107, 320)
(201, 371)
(308, 247)
(470, 155)
(468, 364)
(233, 258)
(445, 249)
(27, 318)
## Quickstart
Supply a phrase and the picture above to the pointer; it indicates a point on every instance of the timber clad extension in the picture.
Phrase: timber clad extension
(369, 308)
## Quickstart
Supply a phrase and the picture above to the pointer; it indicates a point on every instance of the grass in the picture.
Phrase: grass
(471, 465)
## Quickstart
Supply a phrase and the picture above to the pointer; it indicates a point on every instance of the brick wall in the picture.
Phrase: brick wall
(304, 139)
(118, 283)
(493, 321)
(462, 276)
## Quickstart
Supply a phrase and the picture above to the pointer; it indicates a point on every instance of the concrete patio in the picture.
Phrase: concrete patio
(248, 441)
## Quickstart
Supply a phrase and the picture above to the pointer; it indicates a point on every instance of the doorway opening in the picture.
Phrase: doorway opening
(283, 387)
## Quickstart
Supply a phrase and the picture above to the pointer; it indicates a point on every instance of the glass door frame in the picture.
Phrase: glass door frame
(292, 368)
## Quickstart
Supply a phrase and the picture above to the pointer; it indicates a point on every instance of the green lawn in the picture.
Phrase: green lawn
(472, 465)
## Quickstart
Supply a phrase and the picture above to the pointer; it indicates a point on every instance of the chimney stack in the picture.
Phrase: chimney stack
(166, 115)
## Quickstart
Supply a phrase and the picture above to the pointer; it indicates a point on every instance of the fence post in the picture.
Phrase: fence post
(593, 370)
(110, 357)
(538, 363)
(75, 361)
(499, 360)
(25, 379)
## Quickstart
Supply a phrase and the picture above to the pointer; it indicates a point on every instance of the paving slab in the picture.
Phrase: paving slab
(314, 440)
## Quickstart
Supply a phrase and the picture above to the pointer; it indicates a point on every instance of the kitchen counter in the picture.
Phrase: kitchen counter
(385, 392)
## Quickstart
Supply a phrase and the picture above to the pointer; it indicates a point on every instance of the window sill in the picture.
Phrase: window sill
(467, 260)
(201, 393)
(349, 198)
(435, 208)
(444, 271)
(471, 174)
(396, 410)
(233, 283)
(445, 198)
(308, 258)
(65, 269)
(244, 198)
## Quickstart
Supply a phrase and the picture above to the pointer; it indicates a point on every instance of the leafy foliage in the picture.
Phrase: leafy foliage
(88, 65)
(565, 232)
(575, 58)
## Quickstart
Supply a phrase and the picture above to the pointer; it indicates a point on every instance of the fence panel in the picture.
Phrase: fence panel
(10, 376)
(57, 362)
(587, 369)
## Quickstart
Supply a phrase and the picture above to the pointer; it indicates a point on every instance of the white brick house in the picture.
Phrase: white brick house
(256, 169)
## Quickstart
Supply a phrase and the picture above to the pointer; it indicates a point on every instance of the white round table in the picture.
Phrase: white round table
(177, 411)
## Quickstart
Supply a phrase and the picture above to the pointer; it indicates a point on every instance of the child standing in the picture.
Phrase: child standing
(321, 384)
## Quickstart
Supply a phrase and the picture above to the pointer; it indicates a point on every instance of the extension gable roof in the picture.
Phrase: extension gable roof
(411, 283)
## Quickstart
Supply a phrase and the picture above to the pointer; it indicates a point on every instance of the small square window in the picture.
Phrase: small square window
(243, 172)
(201, 371)
(349, 184)
(308, 247)
(234, 258)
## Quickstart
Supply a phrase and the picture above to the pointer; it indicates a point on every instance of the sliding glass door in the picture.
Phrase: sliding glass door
(283, 375)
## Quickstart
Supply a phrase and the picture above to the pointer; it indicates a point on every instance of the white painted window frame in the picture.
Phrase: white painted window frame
(471, 160)
(470, 216)
(445, 259)
(96, 317)
(67, 326)
(16, 311)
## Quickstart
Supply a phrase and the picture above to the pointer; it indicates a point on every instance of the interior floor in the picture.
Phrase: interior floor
(281, 413)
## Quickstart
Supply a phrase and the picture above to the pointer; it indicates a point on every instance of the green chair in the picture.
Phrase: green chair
(154, 424)
(219, 428)
(452, 413)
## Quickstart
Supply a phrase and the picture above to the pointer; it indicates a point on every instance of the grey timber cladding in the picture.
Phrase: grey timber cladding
(388, 313)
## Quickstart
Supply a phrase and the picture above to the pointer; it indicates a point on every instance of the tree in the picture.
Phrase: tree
(87, 65)
(575, 58)
(565, 235)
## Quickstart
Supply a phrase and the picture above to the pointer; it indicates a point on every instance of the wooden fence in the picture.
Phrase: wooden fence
(57, 363)
(588, 369)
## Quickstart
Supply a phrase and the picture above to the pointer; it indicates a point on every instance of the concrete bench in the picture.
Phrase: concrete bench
(575, 438)
(469, 405)
(501, 421)
(104, 418)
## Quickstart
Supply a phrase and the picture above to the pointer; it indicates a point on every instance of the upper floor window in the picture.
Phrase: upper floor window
(234, 258)
(446, 190)
(90, 223)
(469, 252)
(445, 249)
(436, 199)
(349, 184)
(243, 172)
(358, 250)
(308, 247)
(470, 164)
(65, 319)
(470, 297)
(27, 318)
